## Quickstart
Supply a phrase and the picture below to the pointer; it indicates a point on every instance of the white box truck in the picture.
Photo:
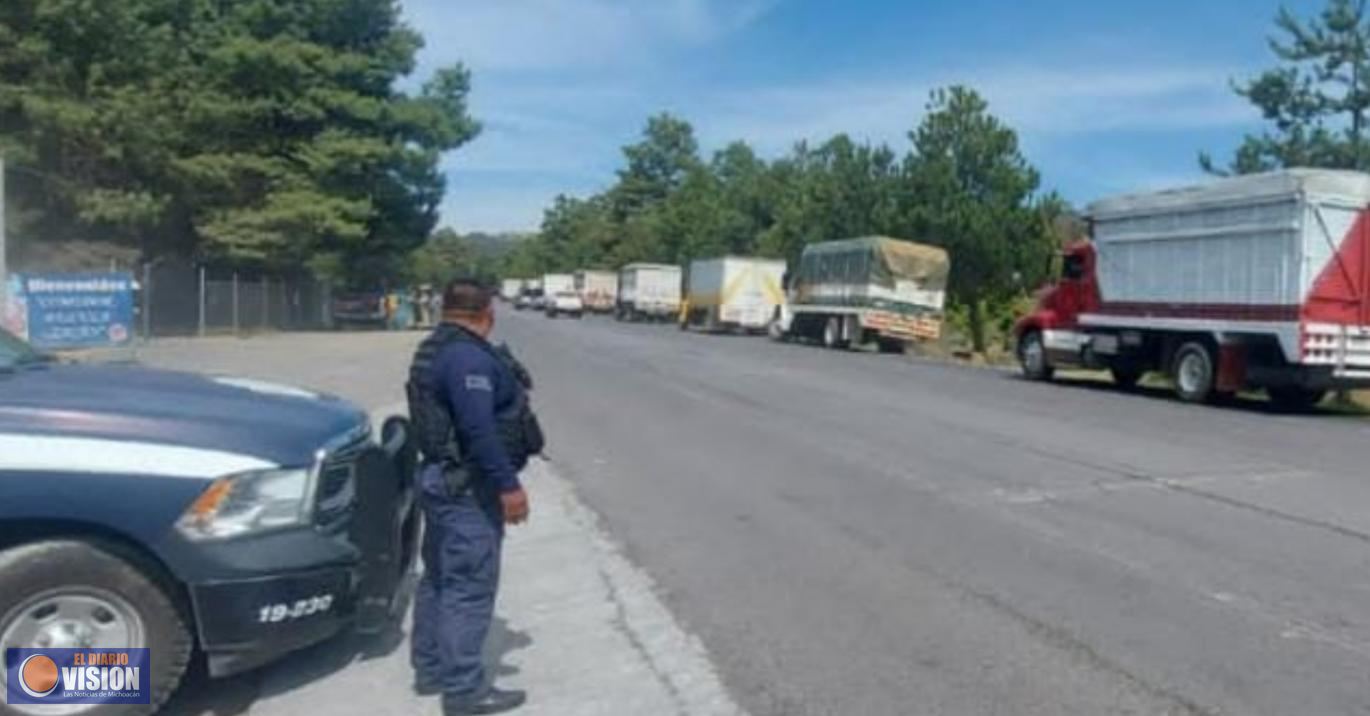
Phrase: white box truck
(733, 292)
(560, 297)
(648, 292)
(1260, 281)
(510, 288)
(598, 290)
(874, 289)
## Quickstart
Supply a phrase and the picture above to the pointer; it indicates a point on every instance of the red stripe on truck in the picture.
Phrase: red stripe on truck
(1206, 311)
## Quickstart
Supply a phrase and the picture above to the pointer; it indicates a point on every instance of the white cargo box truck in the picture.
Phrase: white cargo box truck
(510, 288)
(648, 292)
(598, 290)
(554, 283)
(733, 292)
(1259, 281)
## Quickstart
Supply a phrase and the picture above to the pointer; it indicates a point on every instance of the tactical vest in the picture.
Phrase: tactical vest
(431, 415)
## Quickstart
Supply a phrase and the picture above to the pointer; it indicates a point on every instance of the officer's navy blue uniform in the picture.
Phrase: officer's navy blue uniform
(455, 601)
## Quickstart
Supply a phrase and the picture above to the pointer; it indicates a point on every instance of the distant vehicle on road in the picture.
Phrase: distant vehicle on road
(180, 512)
(529, 299)
(732, 292)
(364, 309)
(1260, 281)
(565, 303)
(858, 291)
(598, 290)
(555, 283)
(510, 288)
(648, 292)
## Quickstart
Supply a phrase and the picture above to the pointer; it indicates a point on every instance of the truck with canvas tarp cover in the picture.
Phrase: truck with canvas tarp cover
(859, 291)
(1252, 282)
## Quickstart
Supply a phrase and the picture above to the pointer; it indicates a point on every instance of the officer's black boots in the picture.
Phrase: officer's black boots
(490, 701)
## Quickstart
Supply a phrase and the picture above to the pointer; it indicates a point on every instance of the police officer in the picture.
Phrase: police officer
(469, 405)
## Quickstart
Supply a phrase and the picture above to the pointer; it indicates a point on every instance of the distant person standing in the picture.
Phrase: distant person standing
(469, 403)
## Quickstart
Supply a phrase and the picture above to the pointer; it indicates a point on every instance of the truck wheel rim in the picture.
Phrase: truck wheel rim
(71, 618)
(1193, 372)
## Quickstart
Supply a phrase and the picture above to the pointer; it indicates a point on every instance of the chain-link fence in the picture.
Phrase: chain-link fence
(182, 299)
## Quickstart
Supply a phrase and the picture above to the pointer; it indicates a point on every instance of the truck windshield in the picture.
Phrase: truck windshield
(1074, 268)
(14, 351)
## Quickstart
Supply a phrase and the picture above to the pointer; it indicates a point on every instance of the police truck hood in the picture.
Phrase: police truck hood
(273, 423)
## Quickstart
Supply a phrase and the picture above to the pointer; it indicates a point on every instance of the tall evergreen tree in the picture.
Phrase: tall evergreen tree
(1316, 100)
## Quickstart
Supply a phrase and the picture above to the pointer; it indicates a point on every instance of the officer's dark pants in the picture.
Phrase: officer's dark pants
(455, 601)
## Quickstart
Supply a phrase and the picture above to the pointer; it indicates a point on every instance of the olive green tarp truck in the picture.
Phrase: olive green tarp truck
(858, 291)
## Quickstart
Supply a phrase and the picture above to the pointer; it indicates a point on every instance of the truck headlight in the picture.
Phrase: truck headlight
(249, 503)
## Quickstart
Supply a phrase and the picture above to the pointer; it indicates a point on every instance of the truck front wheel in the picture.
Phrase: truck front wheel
(832, 333)
(1195, 373)
(1032, 356)
(76, 595)
(776, 329)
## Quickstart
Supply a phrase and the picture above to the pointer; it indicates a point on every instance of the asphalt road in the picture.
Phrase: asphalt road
(865, 534)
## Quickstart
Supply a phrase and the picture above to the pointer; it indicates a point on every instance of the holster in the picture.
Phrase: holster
(457, 478)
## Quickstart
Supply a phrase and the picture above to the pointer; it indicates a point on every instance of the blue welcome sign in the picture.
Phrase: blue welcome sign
(78, 310)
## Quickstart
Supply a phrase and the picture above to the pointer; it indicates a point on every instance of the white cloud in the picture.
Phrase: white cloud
(566, 138)
(1044, 102)
(556, 34)
(561, 85)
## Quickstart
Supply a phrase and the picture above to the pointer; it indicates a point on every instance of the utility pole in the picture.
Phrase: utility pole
(4, 267)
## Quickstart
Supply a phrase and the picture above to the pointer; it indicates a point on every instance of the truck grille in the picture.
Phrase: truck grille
(336, 495)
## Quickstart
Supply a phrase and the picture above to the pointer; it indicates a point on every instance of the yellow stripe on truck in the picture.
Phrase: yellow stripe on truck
(769, 286)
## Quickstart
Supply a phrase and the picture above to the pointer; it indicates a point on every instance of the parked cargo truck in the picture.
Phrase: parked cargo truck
(868, 290)
(648, 292)
(510, 288)
(598, 290)
(732, 293)
(1255, 282)
(559, 295)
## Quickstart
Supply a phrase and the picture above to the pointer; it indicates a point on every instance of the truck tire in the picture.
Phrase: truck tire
(1195, 372)
(832, 333)
(776, 331)
(1294, 399)
(70, 593)
(1032, 357)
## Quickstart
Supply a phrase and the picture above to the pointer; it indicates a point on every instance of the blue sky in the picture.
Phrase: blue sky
(1107, 95)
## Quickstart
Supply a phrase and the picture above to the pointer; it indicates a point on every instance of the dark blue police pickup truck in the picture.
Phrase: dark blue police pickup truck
(185, 513)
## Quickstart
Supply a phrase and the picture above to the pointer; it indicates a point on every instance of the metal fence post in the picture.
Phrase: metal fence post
(147, 301)
(203, 298)
(4, 267)
(266, 303)
(235, 303)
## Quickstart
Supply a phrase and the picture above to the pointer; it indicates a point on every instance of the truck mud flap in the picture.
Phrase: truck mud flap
(386, 526)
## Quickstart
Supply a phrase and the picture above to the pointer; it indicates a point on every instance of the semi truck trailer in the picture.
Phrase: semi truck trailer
(732, 292)
(598, 290)
(648, 292)
(869, 290)
(1255, 282)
